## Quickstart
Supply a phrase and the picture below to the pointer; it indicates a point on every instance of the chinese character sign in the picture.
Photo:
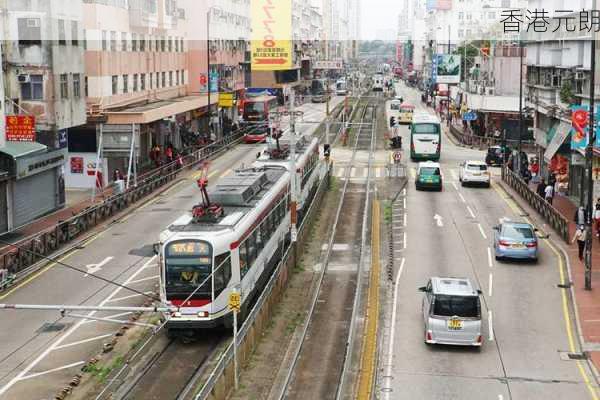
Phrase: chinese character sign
(271, 35)
(546, 20)
(20, 128)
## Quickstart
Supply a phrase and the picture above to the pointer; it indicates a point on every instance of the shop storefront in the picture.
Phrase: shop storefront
(36, 184)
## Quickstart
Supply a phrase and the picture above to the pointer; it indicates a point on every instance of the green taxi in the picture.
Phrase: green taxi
(429, 176)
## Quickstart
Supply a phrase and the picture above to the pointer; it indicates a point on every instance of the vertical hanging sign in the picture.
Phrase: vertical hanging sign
(271, 35)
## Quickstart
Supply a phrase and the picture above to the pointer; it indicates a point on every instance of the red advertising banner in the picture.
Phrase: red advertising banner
(20, 128)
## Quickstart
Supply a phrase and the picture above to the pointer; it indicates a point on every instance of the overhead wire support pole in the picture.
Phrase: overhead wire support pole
(519, 146)
(293, 197)
(589, 154)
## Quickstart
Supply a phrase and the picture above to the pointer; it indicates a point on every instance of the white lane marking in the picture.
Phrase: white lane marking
(490, 262)
(405, 219)
(61, 339)
(75, 364)
(490, 325)
(114, 316)
(153, 277)
(462, 198)
(405, 240)
(500, 397)
(393, 329)
(151, 266)
(404, 192)
(93, 268)
(64, 346)
(413, 173)
(482, 231)
(131, 296)
(404, 203)
(439, 220)
(455, 186)
(471, 212)
(490, 285)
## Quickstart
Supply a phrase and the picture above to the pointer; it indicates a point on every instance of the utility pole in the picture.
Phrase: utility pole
(448, 100)
(520, 107)
(589, 154)
(293, 197)
(208, 63)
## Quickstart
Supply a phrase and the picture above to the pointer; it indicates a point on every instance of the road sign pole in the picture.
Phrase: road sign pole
(235, 301)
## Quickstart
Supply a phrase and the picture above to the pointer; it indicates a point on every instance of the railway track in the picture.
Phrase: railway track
(319, 361)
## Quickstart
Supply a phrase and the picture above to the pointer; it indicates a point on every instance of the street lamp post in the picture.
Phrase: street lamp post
(208, 12)
(520, 107)
(589, 154)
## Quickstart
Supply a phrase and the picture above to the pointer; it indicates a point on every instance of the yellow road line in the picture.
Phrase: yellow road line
(565, 302)
(369, 346)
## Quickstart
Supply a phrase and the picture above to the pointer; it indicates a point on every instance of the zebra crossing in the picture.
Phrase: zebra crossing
(392, 170)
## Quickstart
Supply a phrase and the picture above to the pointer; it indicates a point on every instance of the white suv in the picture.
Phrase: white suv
(474, 172)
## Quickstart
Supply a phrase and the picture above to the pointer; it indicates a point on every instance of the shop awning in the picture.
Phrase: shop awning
(22, 149)
(562, 133)
(159, 110)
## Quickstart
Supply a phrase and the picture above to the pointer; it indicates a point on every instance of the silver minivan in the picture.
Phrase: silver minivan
(451, 312)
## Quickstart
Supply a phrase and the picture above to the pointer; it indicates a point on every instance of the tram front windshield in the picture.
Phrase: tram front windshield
(187, 264)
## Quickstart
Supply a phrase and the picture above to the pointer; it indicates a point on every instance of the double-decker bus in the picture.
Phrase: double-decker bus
(425, 137)
(256, 117)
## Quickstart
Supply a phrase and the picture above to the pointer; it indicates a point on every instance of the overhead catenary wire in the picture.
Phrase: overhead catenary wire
(63, 264)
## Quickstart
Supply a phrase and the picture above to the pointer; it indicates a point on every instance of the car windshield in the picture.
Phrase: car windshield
(430, 171)
(460, 306)
(517, 232)
(394, 106)
(477, 167)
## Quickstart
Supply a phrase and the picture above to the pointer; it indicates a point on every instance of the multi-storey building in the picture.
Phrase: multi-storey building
(558, 77)
(137, 76)
(44, 80)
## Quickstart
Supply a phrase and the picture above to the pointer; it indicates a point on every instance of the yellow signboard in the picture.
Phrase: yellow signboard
(235, 301)
(271, 35)
(226, 100)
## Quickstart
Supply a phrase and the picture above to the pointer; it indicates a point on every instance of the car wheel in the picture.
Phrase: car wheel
(498, 258)
(462, 183)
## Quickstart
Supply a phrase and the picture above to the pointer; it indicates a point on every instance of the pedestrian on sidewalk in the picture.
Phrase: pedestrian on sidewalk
(580, 238)
(579, 217)
(117, 175)
(597, 217)
(549, 193)
(541, 187)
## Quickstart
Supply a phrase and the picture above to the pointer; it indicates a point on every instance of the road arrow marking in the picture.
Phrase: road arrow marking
(93, 268)
(439, 220)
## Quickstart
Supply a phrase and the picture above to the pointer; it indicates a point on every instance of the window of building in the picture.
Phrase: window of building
(115, 84)
(182, 77)
(84, 39)
(170, 41)
(157, 80)
(157, 44)
(143, 81)
(142, 42)
(64, 86)
(150, 6)
(113, 41)
(150, 80)
(164, 79)
(163, 44)
(135, 82)
(170, 78)
(74, 33)
(461, 32)
(181, 44)
(34, 89)
(62, 38)
(125, 83)
(30, 31)
(104, 41)
(134, 46)
(86, 87)
(177, 78)
(177, 45)
(76, 86)
(123, 41)
(491, 15)
(461, 15)
(469, 16)
(468, 33)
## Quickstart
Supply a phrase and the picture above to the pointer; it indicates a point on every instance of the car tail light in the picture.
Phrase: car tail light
(479, 339)
(412, 146)
(532, 244)
(503, 243)
(429, 336)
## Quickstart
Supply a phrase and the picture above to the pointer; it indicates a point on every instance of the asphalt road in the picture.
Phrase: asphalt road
(39, 351)
(524, 324)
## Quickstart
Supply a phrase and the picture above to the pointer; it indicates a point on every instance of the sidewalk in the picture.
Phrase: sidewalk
(586, 303)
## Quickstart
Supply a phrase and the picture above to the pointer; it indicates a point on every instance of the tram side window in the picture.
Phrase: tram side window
(244, 266)
(259, 239)
(251, 243)
(223, 274)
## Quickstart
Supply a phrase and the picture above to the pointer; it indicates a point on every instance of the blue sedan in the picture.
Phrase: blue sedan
(515, 240)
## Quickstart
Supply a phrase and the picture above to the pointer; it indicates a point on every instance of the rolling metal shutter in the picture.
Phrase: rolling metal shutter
(34, 196)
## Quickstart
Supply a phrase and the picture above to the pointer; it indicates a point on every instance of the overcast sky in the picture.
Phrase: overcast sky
(379, 19)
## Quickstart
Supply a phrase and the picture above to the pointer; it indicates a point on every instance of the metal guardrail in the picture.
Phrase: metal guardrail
(545, 209)
(485, 142)
(18, 258)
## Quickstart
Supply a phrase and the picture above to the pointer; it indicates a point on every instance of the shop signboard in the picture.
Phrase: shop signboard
(329, 64)
(20, 128)
(580, 129)
(226, 100)
(271, 40)
(27, 166)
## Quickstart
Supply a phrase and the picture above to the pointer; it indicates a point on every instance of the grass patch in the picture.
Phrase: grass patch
(334, 184)
(387, 212)
(294, 322)
(102, 372)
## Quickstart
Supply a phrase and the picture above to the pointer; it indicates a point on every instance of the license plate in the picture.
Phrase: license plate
(518, 246)
(476, 174)
(455, 324)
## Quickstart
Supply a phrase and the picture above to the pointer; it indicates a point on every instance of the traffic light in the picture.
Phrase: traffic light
(327, 150)
(392, 121)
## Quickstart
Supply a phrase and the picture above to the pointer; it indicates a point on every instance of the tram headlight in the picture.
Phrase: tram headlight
(203, 314)
(176, 314)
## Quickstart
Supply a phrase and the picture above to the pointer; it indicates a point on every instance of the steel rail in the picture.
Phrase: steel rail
(313, 304)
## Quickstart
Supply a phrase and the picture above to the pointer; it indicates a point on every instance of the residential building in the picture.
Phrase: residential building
(43, 69)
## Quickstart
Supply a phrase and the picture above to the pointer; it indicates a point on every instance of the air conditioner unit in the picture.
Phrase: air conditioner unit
(579, 75)
(33, 22)
(24, 78)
